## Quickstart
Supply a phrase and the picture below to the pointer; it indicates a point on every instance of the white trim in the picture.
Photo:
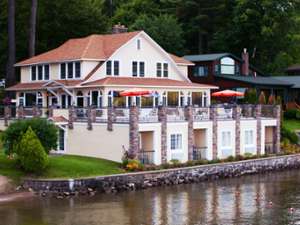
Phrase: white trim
(56, 61)
(65, 139)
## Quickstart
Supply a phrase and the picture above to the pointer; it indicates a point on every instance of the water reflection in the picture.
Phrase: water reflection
(237, 201)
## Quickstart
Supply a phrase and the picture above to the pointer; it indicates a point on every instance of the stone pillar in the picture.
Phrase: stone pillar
(188, 112)
(7, 114)
(237, 117)
(110, 118)
(134, 147)
(213, 117)
(50, 111)
(71, 117)
(277, 115)
(20, 112)
(162, 118)
(89, 120)
(258, 128)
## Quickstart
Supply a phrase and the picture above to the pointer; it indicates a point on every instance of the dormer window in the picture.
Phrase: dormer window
(40, 72)
(227, 66)
(70, 70)
(112, 71)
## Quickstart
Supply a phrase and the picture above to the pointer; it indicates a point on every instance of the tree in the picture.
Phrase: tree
(10, 72)
(31, 154)
(164, 29)
(45, 130)
(32, 28)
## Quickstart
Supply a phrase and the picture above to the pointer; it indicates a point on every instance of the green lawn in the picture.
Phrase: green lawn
(291, 125)
(63, 166)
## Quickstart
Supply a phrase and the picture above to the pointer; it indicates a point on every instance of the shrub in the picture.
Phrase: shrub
(250, 96)
(174, 161)
(31, 154)
(134, 165)
(298, 115)
(287, 134)
(45, 131)
(291, 113)
(262, 98)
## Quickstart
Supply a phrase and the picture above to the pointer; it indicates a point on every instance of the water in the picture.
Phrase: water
(234, 201)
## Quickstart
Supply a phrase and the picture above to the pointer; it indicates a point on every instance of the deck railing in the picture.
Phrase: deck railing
(201, 113)
(146, 156)
(175, 114)
(148, 115)
(199, 152)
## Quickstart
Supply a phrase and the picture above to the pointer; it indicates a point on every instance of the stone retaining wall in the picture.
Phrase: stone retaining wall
(141, 180)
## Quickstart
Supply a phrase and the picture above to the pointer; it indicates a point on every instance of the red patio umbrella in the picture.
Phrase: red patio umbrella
(135, 92)
(227, 93)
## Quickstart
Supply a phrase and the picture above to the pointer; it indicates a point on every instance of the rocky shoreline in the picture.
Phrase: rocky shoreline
(142, 180)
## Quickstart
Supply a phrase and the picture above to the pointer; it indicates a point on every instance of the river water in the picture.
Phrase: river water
(259, 199)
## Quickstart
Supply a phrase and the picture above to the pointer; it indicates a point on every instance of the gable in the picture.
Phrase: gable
(150, 53)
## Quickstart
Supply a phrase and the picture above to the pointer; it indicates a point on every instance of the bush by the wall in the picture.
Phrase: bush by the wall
(287, 134)
(31, 154)
(250, 96)
(292, 114)
(44, 129)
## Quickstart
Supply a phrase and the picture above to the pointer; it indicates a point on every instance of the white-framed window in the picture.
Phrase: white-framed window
(226, 139)
(21, 99)
(70, 70)
(227, 66)
(249, 138)
(158, 69)
(176, 141)
(113, 68)
(95, 98)
(40, 72)
(138, 69)
(200, 71)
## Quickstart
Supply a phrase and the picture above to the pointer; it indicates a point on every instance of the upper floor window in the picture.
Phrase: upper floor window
(227, 66)
(40, 72)
(158, 69)
(200, 71)
(134, 68)
(166, 70)
(70, 70)
(115, 70)
(138, 69)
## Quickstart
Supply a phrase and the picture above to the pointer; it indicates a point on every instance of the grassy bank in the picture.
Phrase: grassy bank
(63, 167)
(291, 124)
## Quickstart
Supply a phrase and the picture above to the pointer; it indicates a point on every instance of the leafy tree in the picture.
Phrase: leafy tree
(164, 29)
(45, 131)
(30, 153)
(250, 96)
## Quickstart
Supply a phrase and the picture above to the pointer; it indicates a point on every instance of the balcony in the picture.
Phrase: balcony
(199, 152)
(146, 157)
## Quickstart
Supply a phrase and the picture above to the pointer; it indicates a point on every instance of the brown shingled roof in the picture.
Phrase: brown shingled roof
(180, 60)
(99, 47)
(153, 82)
(40, 85)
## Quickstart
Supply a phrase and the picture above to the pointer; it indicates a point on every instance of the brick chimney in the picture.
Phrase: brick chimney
(245, 65)
(118, 28)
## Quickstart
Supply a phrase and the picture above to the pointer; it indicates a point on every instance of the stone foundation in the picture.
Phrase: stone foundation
(141, 180)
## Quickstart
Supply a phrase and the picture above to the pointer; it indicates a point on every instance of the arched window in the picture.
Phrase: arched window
(100, 104)
(205, 102)
(21, 99)
(39, 99)
(181, 96)
(164, 99)
(227, 66)
(80, 99)
(110, 98)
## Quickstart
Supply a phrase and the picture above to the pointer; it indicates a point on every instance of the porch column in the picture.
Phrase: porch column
(89, 120)
(277, 115)
(50, 111)
(134, 131)
(7, 115)
(190, 119)
(71, 117)
(258, 128)
(20, 112)
(213, 117)
(162, 118)
(237, 117)
(110, 118)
